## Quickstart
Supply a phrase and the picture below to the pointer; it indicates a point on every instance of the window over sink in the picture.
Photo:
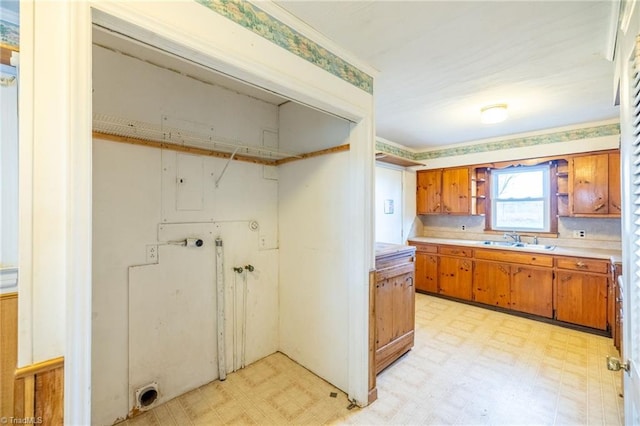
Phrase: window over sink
(521, 198)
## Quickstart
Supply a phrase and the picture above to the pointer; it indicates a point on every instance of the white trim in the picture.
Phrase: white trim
(77, 377)
(122, 17)
(25, 185)
(629, 7)
(8, 280)
(610, 47)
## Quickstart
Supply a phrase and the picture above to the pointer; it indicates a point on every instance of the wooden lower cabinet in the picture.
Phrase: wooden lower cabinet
(426, 272)
(519, 288)
(492, 283)
(569, 289)
(394, 306)
(532, 290)
(582, 299)
(455, 277)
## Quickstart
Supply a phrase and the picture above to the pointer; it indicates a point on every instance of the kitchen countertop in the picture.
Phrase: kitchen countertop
(386, 249)
(615, 256)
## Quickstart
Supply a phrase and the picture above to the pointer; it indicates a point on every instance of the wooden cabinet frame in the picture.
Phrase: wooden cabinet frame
(443, 191)
(565, 289)
(466, 190)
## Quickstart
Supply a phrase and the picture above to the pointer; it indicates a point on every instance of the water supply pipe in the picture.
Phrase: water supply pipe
(222, 365)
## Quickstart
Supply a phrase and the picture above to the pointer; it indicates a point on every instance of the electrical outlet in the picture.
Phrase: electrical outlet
(152, 253)
(579, 233)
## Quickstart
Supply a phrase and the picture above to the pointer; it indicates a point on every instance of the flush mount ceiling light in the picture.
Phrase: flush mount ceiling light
(492, 114)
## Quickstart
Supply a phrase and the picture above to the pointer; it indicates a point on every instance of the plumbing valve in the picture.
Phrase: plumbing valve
(237, 269)
(249, 268)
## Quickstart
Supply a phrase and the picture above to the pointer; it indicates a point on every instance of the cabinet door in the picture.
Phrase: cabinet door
(456, 191)
(491, 283)
(429, 187)
(456, 276)
(384, 312)
(532, 290)
(582, 299)
(426, 272)
(614, 184)
(403, 305)
(590, 184)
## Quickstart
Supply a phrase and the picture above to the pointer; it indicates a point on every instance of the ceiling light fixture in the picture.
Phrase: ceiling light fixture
(492, 114)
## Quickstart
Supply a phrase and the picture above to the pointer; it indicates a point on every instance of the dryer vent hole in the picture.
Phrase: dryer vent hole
(148, 397)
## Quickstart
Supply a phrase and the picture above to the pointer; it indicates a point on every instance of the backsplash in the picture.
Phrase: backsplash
(600, 233)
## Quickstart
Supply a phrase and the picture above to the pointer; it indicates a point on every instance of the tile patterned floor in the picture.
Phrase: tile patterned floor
(469, 366)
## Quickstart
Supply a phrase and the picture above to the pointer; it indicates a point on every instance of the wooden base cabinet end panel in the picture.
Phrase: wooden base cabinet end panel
(394, 307)
(387, 354)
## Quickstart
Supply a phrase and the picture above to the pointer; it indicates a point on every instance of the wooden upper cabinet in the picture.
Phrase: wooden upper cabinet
(595, 185)
(428, 191)
(443, 191)
(615, 194)
(455, 191)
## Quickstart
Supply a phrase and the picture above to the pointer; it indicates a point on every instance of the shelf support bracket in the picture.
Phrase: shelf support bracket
(225, 166)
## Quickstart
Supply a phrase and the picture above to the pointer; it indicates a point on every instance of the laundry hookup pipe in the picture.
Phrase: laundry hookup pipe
(222, 365)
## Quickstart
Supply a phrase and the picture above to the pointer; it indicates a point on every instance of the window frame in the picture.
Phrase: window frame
(545, 197)
(552, 195)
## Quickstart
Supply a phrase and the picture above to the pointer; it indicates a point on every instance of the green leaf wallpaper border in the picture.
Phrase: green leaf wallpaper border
(270, 28)
(556, 137)
(9, 35)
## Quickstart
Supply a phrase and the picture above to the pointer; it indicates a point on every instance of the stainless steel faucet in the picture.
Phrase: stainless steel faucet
(514, 235)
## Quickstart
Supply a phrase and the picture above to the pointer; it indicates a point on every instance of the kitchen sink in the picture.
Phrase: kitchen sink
(498, 243)
(512, 244)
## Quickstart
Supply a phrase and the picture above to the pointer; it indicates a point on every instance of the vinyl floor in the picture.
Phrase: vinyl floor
(469, 366)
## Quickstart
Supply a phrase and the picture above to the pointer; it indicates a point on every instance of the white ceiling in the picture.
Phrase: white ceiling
(439, 62)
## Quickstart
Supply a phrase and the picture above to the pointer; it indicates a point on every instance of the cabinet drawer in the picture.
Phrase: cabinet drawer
(510, 256)
(404, 268)
(582, 264)
(455, 251)
(425, 248)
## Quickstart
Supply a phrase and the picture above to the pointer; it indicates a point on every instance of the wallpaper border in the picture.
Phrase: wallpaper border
(575, 135)
(261, 23)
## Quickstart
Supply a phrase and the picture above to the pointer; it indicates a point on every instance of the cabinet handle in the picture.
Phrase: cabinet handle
(410, 279)
(581, 265)
(598, 207)
(615, 206)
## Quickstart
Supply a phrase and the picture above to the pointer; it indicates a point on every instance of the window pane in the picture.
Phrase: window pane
(520, 184)
(520, 215)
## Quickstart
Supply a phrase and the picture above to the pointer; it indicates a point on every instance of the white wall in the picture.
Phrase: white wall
(9, 187)
(314, 261)
(135, 190)
(398, 184)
